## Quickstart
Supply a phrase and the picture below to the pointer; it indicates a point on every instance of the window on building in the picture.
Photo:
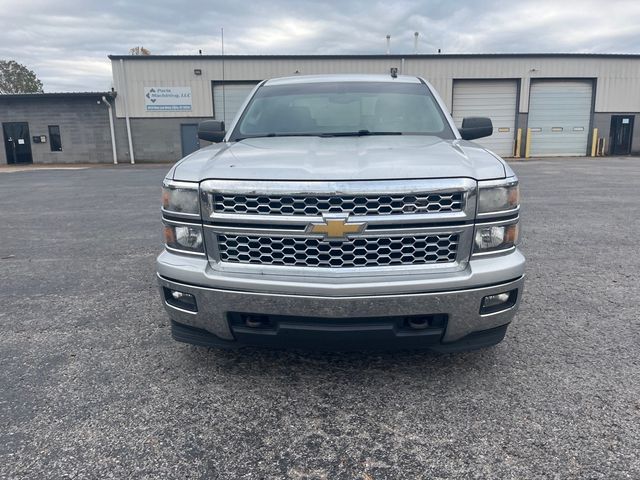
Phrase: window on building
(54, 138)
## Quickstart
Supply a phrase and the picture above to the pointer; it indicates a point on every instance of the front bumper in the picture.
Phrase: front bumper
(460, 307)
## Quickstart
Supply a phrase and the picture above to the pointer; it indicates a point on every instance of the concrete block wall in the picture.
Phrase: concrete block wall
(154, 139)
(84, 127)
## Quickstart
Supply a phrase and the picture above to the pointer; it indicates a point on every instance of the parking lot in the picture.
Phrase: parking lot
(92, 385)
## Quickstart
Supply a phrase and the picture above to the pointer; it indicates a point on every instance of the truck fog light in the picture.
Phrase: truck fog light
(184, 237)
(493, 300)
(178, 299)
(498, 302)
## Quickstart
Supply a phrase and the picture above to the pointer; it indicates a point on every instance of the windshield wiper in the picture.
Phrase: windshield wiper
(269, 135)
(359, 133)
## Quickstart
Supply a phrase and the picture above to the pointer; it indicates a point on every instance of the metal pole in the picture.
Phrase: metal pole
(126, 111)
(594, 142)
(113, 135)
(224, 101)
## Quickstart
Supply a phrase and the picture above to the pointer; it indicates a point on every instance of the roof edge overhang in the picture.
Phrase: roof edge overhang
(59, 95)
(375, 56)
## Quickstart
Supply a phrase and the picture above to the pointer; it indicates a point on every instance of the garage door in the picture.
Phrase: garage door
(234, 96)
(495, 99)
(559, 118)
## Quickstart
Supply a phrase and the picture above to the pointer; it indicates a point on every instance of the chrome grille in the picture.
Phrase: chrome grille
(259, 226)
(346, 204)
(356, 252)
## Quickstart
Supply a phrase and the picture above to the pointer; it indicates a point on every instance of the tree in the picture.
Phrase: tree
(139, 51)
(16, 78)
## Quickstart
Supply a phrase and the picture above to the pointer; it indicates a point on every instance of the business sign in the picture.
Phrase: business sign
(173, 99)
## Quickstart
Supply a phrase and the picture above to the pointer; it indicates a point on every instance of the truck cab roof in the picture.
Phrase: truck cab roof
(297, 79)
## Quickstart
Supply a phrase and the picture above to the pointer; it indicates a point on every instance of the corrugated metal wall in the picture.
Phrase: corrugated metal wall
(495, 99)
(617, 78)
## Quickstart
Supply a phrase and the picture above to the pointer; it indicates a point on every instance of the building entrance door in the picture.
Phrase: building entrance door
(190, 140)
(17, 143)
(621, 134)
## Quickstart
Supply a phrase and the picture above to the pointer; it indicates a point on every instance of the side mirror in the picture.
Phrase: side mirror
(476, 127)
(211, 130)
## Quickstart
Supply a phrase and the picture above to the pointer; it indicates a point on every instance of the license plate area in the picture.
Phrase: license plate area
(338, 333)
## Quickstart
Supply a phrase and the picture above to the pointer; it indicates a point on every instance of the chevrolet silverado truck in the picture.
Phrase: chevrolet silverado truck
(342, 211)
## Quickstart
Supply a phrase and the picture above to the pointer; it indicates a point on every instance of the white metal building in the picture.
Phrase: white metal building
(552, 102)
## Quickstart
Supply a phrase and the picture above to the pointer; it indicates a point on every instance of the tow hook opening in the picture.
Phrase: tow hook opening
(256, 321)
(418, 323)
(423, 322)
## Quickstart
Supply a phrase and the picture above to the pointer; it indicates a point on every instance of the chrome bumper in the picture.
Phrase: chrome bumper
(462, 306)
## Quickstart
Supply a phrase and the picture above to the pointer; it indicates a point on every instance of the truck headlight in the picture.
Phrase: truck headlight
(187, 238)
(490, 238)
(498, 196)
(180, 197)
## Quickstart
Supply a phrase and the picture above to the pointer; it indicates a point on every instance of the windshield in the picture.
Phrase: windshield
(342, 109)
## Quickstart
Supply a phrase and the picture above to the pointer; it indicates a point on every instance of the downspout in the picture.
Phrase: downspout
(113, 133)
(126, 111)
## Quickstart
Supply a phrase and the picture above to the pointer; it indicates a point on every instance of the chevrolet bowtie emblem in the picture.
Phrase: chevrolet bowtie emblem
(336, 228)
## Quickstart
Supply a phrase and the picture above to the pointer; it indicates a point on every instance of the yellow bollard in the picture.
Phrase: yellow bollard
(594, 142)
(518, 141)
(527, 144)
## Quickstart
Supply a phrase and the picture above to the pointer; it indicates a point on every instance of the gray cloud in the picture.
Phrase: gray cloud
(67, 42)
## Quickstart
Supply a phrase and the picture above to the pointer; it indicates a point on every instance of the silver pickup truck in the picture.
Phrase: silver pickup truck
(342, 211)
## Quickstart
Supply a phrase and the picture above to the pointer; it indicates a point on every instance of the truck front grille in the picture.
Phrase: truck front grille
(370, 227)
(315, 205)
(356, 252)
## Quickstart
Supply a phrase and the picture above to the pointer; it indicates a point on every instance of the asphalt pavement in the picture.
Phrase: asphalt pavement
(93, 386)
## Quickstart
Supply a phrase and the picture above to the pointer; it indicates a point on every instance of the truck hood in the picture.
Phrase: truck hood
(340, 158)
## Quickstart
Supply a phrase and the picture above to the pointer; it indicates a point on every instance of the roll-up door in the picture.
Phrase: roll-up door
(495, 99)
(559, 117)
(234, 96)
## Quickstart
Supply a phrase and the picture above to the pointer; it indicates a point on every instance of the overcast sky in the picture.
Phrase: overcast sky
(66, 42)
